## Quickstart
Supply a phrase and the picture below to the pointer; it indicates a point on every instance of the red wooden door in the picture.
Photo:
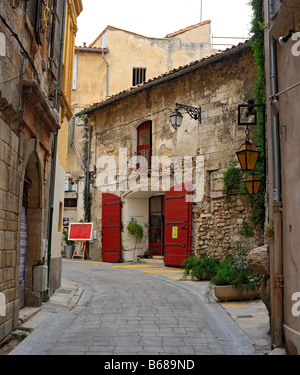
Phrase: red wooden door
(111, 228)
(178, 220)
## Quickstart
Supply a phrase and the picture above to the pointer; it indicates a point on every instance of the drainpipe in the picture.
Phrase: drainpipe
(277, 263)
(87, 179)
(74, 144)
(54, 150)
(107, 74)
(86, 168)
(276, 251)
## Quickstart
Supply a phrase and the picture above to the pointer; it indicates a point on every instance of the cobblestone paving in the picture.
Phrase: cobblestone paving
(124, 311)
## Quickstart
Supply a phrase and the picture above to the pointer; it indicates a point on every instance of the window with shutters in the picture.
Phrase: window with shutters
(55, 24)
(35, 10)
(144, 145)
(138, 76)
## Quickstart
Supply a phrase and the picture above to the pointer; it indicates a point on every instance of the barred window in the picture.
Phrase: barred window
(138, 76)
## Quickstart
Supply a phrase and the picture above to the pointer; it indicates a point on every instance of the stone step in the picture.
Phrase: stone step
(27, 313)
(152, 261)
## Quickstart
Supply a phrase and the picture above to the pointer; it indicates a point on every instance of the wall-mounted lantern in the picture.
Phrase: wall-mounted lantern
(248, 154)
(176, 116)
(252, 183)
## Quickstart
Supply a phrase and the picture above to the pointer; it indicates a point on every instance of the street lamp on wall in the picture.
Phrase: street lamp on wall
(248, 154)
(252, 183)
(176, 116)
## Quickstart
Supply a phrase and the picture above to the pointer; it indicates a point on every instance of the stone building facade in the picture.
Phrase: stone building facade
(73, 10)
(30, 78)
(116, 60)
(178, 219)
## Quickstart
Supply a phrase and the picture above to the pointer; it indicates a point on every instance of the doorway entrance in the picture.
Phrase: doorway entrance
(156, 225)
(168, 219)
(31, 232)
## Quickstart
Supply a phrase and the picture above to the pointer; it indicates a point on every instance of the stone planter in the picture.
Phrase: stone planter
(226, 293)
(68, 251)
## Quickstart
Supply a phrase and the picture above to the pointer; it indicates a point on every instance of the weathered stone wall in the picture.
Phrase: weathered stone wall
(9, 207)
(218, 225)
(27, 120)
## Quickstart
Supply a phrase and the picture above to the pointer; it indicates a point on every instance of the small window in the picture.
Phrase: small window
(74, 85)
(138, 76)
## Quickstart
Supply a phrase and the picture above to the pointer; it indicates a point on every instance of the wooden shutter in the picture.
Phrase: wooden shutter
(178, 221)
(111, 228)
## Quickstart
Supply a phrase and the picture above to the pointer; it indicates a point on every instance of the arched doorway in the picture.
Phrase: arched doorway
(31, 232)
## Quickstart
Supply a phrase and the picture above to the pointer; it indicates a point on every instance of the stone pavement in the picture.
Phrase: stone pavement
(139, 309)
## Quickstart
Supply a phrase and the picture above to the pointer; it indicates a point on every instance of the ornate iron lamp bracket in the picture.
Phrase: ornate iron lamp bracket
(194, 112)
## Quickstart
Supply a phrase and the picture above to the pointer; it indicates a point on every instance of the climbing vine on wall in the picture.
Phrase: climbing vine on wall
(257, 43)
(87, 202)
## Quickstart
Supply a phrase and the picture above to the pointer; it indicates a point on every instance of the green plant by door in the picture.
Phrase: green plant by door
(136, 231)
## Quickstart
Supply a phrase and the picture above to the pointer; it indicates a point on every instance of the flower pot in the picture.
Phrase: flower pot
(68, 251)
(226, 293)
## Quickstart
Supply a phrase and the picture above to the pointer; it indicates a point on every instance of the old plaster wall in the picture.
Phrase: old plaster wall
(154, 54)
(128, 50)
(289, 112)
(218, 88)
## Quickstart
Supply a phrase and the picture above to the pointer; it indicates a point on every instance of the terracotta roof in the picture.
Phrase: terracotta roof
(166, 76)
(90, 49)
(166, 37)
(187, 28)
(86, 47)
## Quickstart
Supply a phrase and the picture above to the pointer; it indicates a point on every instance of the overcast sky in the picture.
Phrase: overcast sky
(157, 18)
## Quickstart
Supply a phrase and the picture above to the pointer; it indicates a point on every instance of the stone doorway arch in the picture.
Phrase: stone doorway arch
(31, 230)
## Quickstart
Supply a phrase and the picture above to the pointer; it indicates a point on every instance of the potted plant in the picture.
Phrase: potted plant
(68, 247)
(201, 268)
(136, 231)
(147, 254)
(234, 281)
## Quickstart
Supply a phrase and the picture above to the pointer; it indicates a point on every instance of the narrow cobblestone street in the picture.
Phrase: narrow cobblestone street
(136, 310)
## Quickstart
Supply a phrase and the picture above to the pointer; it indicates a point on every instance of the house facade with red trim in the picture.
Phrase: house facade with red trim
(170, 182)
